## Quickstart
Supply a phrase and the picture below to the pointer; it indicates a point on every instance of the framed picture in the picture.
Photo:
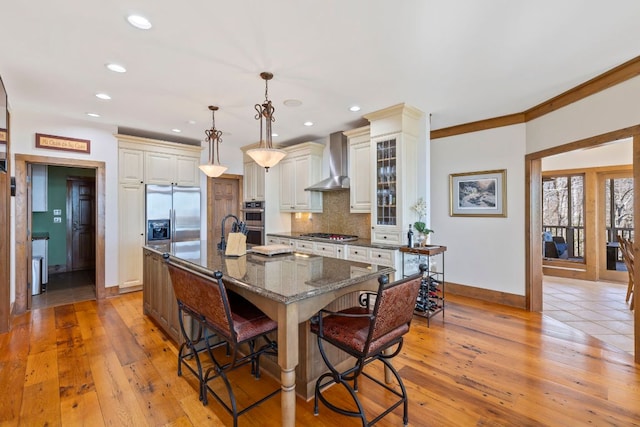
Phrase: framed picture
(478, 193)
(63, 143)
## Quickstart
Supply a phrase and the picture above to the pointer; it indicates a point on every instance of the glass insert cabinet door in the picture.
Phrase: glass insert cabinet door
(386, 182)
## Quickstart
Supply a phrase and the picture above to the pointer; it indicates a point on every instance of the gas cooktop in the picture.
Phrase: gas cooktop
(334, 237)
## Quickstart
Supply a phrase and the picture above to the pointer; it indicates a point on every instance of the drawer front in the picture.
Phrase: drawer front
(358, 253)
(393, 238)
(327, 249)
(382, 257)
(272, 240)
(304, 246)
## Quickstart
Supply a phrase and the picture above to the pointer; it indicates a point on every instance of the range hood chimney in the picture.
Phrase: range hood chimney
(338, 165)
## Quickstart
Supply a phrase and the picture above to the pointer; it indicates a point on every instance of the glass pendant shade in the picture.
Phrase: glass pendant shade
(265, 155)
(212, 169)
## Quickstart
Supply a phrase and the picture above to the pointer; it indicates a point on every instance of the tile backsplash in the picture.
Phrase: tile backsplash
(335, 218)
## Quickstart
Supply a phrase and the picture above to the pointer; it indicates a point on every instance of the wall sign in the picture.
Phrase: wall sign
(63, 143)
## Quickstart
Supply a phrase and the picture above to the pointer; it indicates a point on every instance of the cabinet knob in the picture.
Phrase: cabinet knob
(384, 237)
(379, 255)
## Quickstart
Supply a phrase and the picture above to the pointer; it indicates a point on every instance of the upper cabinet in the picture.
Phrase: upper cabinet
(394, 153)
(301, 168)
(253, 181)
(131, 166)
(147, 161)
(359, 141)
(169, 168)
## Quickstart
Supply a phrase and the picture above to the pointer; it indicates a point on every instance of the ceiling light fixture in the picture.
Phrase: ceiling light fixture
(354, 108)
(116, 68)
(93, 114)
(308, 123)
(213, 135)
(103, 96)
(265, 155)
(139, 22)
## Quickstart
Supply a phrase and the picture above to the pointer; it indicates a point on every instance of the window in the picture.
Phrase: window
(563, 215)
(618, 194)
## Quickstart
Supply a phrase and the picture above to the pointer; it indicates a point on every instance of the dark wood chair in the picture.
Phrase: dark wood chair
(221, 318)
(371, 332)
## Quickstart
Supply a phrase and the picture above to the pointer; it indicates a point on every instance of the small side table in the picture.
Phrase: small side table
(432, 290)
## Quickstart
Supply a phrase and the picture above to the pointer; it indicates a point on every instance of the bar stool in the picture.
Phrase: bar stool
(233, 320)
(368, 333)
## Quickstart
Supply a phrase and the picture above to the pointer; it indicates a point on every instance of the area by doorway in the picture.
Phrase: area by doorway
(84, 231)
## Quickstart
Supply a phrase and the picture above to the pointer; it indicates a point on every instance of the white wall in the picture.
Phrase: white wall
(614, 154)
(104, 148)
(487, 253)
(609, 110)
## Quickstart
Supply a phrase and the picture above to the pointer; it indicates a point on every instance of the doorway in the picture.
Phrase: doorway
(68, 222)
(533, 220)
(23, 228)
(224, 195)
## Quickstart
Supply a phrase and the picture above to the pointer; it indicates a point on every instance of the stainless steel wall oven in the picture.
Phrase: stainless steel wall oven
(253, 217)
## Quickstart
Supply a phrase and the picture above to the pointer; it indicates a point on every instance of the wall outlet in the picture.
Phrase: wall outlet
(57, 219)
(57, 212)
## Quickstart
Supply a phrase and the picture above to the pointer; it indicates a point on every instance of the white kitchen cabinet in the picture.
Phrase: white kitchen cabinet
(253, 181)
(39, 188)
(301, 168)
(359, 141)
(373, 255)
(304, 246)
(130, 166)
(187, 173)
(144, 161)
(131, 234)
(394, 154)
(331, 250)
(168, 168)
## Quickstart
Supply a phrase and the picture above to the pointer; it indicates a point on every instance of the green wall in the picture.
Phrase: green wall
(57, 199)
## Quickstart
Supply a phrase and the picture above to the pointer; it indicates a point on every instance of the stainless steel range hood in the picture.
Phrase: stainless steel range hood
(338, 165)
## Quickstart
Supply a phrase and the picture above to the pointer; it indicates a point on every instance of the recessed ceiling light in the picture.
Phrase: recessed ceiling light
(93, 114)
(354, 108)
(176, 130)
(191, 122)
(117, 68)
(308, 123)
(139, 22)
(274, 134)
(103, 96)
(292, 102)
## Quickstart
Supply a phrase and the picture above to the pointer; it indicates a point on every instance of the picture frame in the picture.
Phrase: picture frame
(478, 194)
(63, 143)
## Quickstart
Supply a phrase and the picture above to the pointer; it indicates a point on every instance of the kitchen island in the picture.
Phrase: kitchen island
(289, 288)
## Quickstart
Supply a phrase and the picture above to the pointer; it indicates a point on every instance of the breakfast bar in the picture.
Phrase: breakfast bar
(289, 288)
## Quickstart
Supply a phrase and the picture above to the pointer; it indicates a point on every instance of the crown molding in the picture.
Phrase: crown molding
(617, 75)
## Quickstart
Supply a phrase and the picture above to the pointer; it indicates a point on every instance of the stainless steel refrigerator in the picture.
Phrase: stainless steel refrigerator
(173, 215)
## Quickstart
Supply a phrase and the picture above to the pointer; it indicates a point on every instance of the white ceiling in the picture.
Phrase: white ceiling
(460, 60)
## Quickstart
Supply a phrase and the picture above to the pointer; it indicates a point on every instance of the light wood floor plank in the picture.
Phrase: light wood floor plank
(105, 363)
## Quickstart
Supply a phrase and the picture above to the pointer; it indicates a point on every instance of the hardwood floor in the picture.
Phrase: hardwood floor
(105, 363)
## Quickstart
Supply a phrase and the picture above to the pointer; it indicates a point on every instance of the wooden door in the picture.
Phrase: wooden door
(223, 198)
(80, 223)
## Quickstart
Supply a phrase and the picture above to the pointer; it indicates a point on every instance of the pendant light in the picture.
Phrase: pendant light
(212, 169)
(265, 155)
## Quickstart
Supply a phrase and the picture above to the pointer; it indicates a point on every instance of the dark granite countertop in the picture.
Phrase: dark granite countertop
(286, 278)
(359, 242)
